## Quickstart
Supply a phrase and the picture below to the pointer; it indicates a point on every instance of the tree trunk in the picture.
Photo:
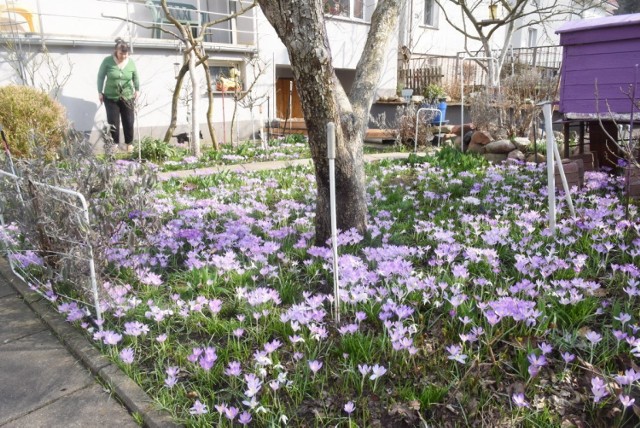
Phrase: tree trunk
(301, 27)
(174, 103)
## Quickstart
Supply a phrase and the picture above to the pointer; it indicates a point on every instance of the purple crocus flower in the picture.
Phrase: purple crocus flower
(315, 365)
(195, 354)
(245, 418)
(135, 328)
(598, 388)
(254, 384)
(270, 347)
(626, 400)
(231, 412)
(545, 348)
(567, 357)
(111, 338)
(349, 407)
(519, 400)
(208, 359)
(377, 371)
(455, 354)
(593, 337)
(364, 369)
(198, 408)
(126, 355)
(233, 369)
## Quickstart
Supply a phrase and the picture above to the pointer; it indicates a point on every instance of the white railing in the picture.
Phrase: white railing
(137, 20)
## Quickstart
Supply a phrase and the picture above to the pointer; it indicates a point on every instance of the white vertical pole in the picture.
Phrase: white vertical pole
(263, 138)
(462, 104)
(551, 178)
(331, 155)
(41, 29)
(563, 177)
(290, 113)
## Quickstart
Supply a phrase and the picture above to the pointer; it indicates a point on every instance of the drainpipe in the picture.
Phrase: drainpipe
(40, 22)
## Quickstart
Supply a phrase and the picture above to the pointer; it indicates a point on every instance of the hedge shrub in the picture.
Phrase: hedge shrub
(30, 116)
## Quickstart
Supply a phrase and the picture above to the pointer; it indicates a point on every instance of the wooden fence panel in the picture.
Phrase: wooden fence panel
(420, 78)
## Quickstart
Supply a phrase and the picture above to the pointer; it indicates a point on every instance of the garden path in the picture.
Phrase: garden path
(42, 383)
(270, 165)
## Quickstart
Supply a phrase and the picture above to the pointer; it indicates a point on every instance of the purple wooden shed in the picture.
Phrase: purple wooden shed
(600, 55)
(602, 51)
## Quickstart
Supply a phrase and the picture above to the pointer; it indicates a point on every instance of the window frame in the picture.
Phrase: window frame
(432, 7)
(349, 6)
(532, 36)
(228, 65)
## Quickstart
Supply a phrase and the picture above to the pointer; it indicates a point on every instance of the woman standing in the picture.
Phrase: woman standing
(119, 92)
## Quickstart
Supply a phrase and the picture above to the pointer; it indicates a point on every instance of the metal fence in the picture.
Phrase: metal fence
(34, 243)
(422, 69)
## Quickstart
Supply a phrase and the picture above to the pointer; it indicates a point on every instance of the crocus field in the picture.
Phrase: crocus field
(459, 307)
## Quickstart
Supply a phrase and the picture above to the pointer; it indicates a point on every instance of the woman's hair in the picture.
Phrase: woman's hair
(121, 45)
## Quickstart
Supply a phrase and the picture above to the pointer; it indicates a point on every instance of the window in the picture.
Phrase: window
(532, 40)
(430, 13)
(226, 76)
(356, 9)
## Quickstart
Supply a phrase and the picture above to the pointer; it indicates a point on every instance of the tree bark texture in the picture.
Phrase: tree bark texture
(301, 27)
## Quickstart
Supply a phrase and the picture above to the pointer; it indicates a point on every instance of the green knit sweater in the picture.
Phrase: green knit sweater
(120, 83)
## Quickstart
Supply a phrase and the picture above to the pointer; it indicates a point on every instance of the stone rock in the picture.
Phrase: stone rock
(481, 137)
(522, 143)
(495, 157)
(536, 158)
(588, 160)
(516, 155)
(446, 129)
(456, 129)
(466, 140)
(501, 146)
(500, 134)
(569, 166)
(572, 173)
(476, 148)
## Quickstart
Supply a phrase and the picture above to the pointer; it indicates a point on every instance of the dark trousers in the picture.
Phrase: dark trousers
(115, 110)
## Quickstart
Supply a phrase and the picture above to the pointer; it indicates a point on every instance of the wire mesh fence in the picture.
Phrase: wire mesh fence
(59, 218)
(42, 252)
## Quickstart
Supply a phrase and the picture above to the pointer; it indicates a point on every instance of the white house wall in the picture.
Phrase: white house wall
(78, 33)
(443, 39)
(346, 39)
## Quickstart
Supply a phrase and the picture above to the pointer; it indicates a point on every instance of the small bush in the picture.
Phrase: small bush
(30, 116)
(156, 150)
(452, 159)
(406, 120)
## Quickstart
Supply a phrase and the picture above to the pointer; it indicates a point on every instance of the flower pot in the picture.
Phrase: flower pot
(406, 94)
(442, 111)
(493, 12)
(442, 106)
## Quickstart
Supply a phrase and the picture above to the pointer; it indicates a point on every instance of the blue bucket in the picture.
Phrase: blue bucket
(442, 106)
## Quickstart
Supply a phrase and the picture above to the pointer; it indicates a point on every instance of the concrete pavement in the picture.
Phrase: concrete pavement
(52, 376)
(263, 166)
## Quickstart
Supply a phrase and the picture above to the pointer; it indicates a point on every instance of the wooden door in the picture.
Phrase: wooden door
(282, 100)
(601, 145)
